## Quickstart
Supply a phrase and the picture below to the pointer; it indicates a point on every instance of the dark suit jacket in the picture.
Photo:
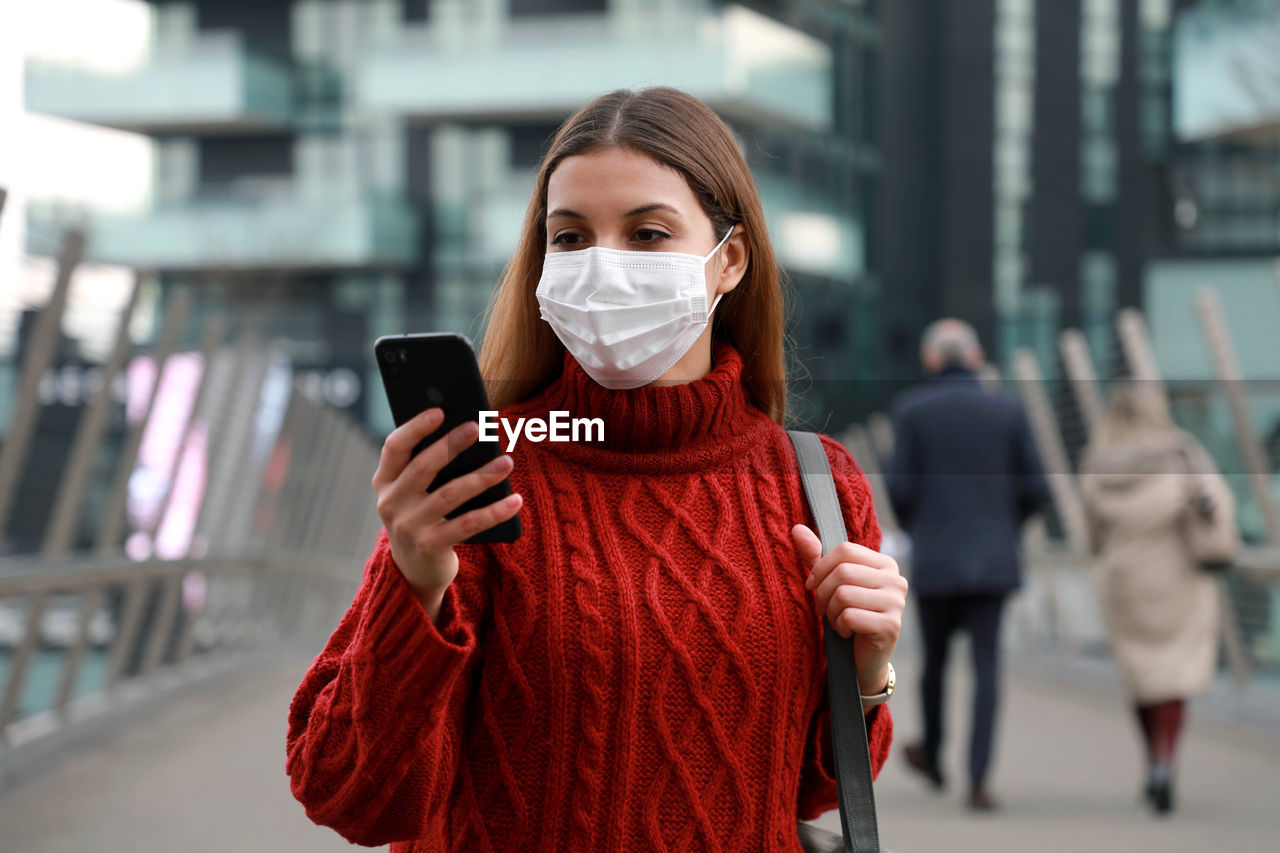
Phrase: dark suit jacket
(963, 478)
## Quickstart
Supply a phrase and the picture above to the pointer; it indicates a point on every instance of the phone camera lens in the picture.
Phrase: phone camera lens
(389, 356)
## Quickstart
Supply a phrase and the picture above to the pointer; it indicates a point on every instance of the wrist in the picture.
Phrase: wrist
(875, 681)
(431, 599)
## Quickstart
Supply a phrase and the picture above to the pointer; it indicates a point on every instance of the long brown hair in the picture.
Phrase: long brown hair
(521, 355)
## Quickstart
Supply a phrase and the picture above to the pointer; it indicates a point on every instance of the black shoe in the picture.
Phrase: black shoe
(914, 754)
(980, 799)
(1160, 793)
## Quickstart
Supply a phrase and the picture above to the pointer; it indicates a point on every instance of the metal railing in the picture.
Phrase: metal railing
(1059, 609)
(120, 595)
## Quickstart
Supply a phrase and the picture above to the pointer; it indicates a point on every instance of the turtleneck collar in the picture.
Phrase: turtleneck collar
(671, 426)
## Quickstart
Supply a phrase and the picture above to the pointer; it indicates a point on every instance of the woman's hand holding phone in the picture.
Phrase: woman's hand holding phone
(422, 539)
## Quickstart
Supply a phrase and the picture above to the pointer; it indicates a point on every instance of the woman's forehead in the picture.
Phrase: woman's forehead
(616, 178)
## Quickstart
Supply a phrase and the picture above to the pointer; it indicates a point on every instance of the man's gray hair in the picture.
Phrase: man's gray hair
(954, 341)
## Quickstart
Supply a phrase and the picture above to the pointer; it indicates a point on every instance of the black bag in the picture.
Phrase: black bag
(860, 833)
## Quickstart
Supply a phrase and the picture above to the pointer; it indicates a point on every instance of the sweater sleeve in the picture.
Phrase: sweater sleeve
(818, 791)
(376, 727)
(817, 783)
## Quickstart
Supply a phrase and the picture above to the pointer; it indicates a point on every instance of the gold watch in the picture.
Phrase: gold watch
(883, 696)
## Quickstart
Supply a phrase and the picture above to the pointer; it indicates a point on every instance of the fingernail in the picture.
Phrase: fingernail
(502, 463)
(514, 500)
(433, 415)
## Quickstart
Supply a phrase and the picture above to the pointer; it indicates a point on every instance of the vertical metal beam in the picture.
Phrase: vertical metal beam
(111, 525)
(1137, 345)
(1066, 498)
(135, 596)
(89, 431)
(162, 626)
(864, 452)
(880, 431)
(40, 351)
(1249, 443)
(229, 437)
(17, 674)
(1083, 379)
(90, 601)
(208, 351)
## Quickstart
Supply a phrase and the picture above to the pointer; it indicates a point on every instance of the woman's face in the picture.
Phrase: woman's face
(616, 198)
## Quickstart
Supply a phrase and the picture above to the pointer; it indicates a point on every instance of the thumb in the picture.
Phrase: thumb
(808, 545)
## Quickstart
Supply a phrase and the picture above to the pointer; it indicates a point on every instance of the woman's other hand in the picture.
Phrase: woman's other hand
(422, 539)
(862, 593)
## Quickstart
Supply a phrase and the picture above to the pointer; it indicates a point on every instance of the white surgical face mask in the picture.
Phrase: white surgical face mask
(627, 317)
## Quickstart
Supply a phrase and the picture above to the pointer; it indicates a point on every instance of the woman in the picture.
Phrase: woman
(643, 668)
(1160, 608)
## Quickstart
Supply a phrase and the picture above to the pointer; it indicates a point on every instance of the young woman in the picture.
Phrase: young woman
(1161, 610)
(643, 669)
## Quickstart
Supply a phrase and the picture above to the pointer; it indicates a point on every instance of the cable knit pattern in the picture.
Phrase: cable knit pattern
(642, 671)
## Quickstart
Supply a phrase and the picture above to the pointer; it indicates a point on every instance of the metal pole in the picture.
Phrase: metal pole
(111, 525)
(1250, 446)
(1080, 372)
(880, 431)
(242, 479)
(227, 435)
(17, 674)
(1137, 345)
(208, 351)
(1061, 483)
(861, 445)
(40, 352)
(90, 601)
(89, 431)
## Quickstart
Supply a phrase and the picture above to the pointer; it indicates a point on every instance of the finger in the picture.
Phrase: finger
(470, 523)
(808, 545)
(854, 574)
(419, 473)
(455, 493)
(858, 598)
(876, 628)
(849, 552)
(397, 450)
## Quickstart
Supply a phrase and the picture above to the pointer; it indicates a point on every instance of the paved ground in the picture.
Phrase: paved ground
(206, 773)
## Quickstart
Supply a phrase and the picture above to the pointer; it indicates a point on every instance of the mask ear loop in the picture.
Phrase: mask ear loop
(712, 254)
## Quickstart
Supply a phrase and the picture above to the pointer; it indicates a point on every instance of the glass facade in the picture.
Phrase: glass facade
(373, 202)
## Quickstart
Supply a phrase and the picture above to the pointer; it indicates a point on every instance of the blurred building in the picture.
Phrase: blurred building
(1219, 223)
(341, 169)
(1027, 136)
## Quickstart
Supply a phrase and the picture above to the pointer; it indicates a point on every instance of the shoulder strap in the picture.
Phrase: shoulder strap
(848, 728)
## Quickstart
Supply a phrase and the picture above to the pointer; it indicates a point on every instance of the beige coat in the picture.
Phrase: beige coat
(1160, 609)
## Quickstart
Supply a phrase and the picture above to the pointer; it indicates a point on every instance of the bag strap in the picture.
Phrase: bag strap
(848, 728)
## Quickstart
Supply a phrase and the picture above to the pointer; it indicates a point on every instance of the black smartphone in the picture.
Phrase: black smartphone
(423, 371)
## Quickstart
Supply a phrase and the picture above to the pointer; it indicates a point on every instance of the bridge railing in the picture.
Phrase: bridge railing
(183, 506)
(1058, 609)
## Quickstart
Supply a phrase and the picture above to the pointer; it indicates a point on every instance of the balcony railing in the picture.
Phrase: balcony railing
(549, 67)
(324, 232)
(215, 83)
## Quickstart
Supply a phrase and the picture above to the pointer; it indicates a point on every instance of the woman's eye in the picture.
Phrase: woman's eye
(650, 235)
(566, 240)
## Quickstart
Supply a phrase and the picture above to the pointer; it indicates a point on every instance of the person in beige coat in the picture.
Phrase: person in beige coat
(1160, 608)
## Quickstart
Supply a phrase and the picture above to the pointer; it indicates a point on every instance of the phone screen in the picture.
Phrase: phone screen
(423, 371)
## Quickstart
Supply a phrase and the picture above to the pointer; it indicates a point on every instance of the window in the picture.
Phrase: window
(535, 8)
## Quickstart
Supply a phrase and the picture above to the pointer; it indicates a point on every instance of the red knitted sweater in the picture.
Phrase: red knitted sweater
(643, 670)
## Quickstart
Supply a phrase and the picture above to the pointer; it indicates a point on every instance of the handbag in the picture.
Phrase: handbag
(859, 830)
(1209, 519)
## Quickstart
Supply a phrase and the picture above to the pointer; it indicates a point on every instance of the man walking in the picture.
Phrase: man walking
(963, 478)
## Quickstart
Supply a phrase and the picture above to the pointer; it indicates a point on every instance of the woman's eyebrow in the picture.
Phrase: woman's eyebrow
(635, 211)
(647, 208)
